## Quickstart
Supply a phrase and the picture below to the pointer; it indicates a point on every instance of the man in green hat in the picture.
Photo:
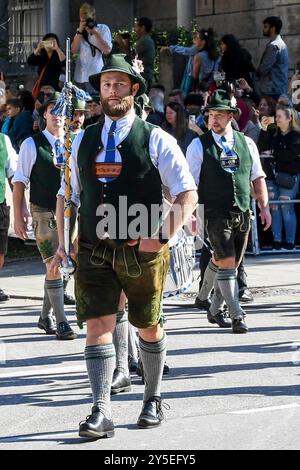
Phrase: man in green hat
(225, 164)
(79, 107)
(37, 166)
(118, 169)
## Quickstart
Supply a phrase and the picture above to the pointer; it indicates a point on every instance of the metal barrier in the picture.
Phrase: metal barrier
(256, 250)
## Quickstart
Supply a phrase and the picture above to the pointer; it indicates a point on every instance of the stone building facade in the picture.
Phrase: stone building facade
(30, 19)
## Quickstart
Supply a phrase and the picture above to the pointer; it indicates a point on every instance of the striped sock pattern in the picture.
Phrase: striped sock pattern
(100, 364)
(227, 281)
(208, 281)
(153, 356)
(120, 339)
(55, 291)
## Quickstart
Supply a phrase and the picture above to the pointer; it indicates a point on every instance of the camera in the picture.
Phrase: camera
(48, 43)
(90, 23)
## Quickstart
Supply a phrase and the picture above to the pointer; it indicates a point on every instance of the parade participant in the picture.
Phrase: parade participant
(36, 165)
(8, 164)
(124, 157)
(224, 163)
(77, 125)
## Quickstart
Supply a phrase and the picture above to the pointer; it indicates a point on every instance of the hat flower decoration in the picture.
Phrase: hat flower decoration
(137, 65)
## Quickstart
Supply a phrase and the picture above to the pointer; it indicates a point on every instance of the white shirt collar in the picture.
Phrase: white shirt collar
(52, 138)
(123, 122)
(229, 136)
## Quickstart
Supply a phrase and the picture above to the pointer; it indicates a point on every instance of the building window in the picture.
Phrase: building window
(26, 28)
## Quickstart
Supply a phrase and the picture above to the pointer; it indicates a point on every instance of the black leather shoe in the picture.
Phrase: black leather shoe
(239, 326)
(202, 304)
(219, 319)
(120, 383)
(96, 425)
(47, 324)
(65, 332)
(3, 297)
(132, 364)
(68, 299)
(152, 414)
(246, 296)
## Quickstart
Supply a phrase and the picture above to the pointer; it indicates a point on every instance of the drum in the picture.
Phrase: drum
(182, 261)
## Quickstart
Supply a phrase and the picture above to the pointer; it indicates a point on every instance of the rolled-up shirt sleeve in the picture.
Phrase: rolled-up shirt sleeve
(257, 171)
(194, 157)
(75, 180)
(168, 158)
(26, 160)
(12, 160)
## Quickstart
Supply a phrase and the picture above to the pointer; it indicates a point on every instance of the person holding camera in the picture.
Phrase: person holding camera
(50, 59)
(283, 141)
(90, 42)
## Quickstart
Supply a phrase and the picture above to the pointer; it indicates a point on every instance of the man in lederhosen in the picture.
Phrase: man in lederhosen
(224, 164)
(123, 157)
(38, 165)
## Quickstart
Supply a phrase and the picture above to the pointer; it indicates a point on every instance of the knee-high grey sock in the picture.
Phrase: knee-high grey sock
(208, 281)
(120, 339)
(46, 310)
(217, 301)
(55, 291)
(153, 356)
(132, 342)
(100, 364)
(227, 280)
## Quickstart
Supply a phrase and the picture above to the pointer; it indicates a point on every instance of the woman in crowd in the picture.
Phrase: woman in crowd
(190, 52)
(284, 143)
(176, 124)
(236, 62)
(207, 61)
(49, 59)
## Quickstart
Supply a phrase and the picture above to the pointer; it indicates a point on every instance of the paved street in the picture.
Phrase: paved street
(224, 391)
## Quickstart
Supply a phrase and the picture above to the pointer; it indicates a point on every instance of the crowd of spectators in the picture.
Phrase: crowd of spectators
(266, 100)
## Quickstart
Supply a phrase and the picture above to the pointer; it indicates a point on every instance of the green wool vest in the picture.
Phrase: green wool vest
(218, 189)
(3, 163)
(45, 178)
(139, 182)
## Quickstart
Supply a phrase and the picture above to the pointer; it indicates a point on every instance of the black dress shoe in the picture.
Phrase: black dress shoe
(219, 319)
(120, 383)
(152, 414)
(239, 326)
(3, 297)
(65, 332)
(68, 299)
(246, 296)
(96, 425)
(202, 304)
(132, 364)
(47, 324)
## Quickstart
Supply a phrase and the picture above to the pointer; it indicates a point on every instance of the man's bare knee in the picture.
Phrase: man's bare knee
(100, 330)
(153, 334)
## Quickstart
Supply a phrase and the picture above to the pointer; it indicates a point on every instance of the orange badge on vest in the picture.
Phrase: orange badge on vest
(108, 170)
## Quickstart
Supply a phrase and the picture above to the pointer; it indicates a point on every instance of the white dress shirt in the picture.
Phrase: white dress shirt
(194, 155)
(12, 158)
(86, 64)
(28, 155)
(165, 155)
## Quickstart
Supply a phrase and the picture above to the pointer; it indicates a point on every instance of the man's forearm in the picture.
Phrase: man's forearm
(60, 219)
(104, 46)
(182, 209)
(261, 193)
(18, 198)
